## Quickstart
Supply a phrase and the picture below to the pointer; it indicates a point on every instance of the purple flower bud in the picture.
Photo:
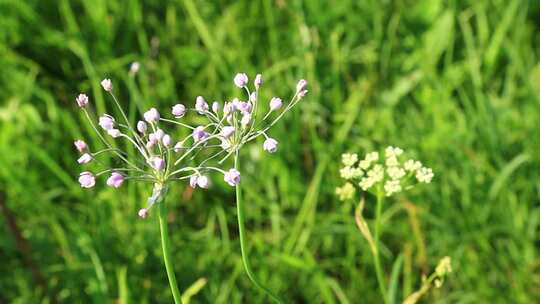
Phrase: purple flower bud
(301, 86)
(215, 107)
(253, 97)
(240, 80)
(87, 179)
(227, 131)
(158, 135)
(114, 133)
(270, 145)
(203, 182)
(193, 181)
(258, 81)
(275, 103)
(106, 84)
(157, 163)
(179, 145)
(141, 126)
(106, 122)
(151, 115)
(199, 134)
(115, 180)
(178, 110)
(244, 107)
(143, 213)
(85, 159)
(200, 105)
(236, 104)
(232, 177)
(82, 100)
(166, 140)
(80, 145)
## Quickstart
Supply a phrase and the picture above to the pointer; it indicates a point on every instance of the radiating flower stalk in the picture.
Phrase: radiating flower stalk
(382, 175)
(162, 159)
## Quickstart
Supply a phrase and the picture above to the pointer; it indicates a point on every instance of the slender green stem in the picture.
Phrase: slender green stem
(376, 256)
(165, 245)
(243, 239)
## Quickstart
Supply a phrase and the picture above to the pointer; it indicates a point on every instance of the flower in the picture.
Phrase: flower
(225, 144)
(106, 122)
(349, 159)
(246, 119)
(158, 135)
(258, 81)
(203, 182)
(107, 84)
(179, 145)
(244, 107)
(82, 100)
(85, 159)
(80, 145)
(395, 172)
(227, 131)
(200, 105)
(166, 140)
(253, 96)
(232, 177)
(215, 107)
(444, 267)
(393, 152)
(391, 187)
(275, 103)
(240, 80)
(412, 165)
(114, 133)
(199, 134)
(193, 181)
(87, 179)
(345, 192)
(270, 145)
(350, 172)
(178, 110)
(301, 87)
(141, 126)
(151, 115)
(134, 68)
(143, 213)
(424, 175)
(115, 180)
(157, 163)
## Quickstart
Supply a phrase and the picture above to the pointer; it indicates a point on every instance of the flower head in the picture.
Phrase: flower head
(141, 126)
(201, 105)
(232, 177)
(275, 103)
(178, 110)
(227, 131)
(199, 134)
(215, 107)
(85, 158)
(107, 84)
(157, 163)
(301, 87)
(115, 180)
(166, 140)
(258, 81)
(106, 122)
(143, 213)
(80, 145)
(203, 181)
(87, 179)
(134, 68)
(82, 100)
(240, 80)
(151, 115)
(345, 192)
(270, 145)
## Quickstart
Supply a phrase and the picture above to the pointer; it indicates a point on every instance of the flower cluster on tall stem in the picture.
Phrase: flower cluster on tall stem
(162, 158)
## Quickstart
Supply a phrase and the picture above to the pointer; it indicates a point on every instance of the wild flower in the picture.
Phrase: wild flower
(226, 131)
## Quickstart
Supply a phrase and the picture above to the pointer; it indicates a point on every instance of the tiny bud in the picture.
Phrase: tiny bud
(199, 134)
(82, 100)
(143, 213)
(258, 81)
(158, 135)
(275, 103)
(301, 86)
(107, 84)
(157, 163)
(80, 145)
(178, 110)
(232, 177)
(115, 180)
(253, 97)
(106, 122)
(85, 159)
(302, 93)
(244, 107)
(200, 105)
(141, 126)
(240, 80)
(270, 145)
(203, 182)
(166, 140)
(179, 145)
(193, 181)
(215, 107)
(151, 115)
(114, 133)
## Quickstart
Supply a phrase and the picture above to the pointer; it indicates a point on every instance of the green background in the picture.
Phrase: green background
(454, 83)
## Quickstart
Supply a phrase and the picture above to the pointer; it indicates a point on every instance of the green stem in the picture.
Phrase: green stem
(376, 257)
(165, 245)
(243, 239)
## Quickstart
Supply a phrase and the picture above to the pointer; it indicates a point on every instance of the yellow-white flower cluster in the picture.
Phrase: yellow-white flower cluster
(388, 173)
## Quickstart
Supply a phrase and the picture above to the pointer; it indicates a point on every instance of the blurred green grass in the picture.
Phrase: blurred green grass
(455, 83)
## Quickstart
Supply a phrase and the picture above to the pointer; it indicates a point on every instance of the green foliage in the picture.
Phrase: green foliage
(454, 82)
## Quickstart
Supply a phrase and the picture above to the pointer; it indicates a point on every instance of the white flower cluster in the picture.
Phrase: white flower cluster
(388, 174)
